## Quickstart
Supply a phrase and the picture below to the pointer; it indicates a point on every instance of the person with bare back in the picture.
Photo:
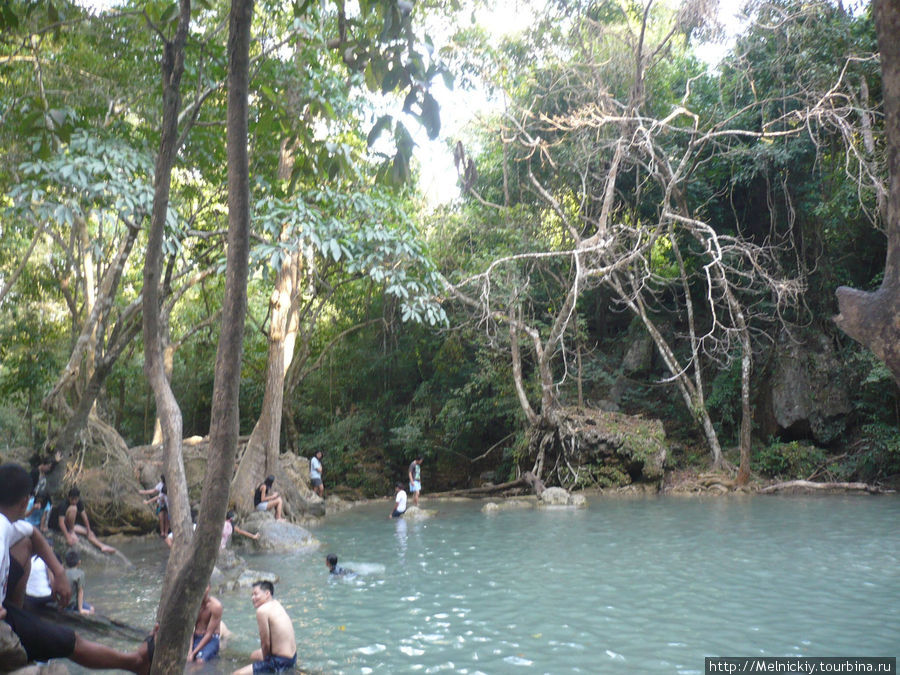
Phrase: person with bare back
(277, 651)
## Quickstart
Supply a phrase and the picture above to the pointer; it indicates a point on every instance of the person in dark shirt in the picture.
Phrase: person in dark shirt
(264, 498)
(64, 517)
(333, 568)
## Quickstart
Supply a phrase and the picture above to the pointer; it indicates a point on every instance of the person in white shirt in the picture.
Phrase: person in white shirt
(399, 501)
(315, 473)
(42, 640)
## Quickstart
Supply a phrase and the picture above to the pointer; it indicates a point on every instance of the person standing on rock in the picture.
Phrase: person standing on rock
(264, 498)
(205, 643)
(315, 473)
(415, 479)
(277, 651)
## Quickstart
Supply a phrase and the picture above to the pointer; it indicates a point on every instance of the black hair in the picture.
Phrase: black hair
(72, 558)
(399, 486)
(42, 497)
(74, 493)
(269, 480)
(264, 585)
(229, 515)
(331, 559)
(15, 484)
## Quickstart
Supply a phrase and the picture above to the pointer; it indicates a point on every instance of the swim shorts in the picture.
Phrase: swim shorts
(397, 514)
(276, 664)
(415, 486)
(316, 482)
(262, 506)
(210, 649)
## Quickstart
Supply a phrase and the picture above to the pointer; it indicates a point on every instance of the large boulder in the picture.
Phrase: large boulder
(418, 513)
(608, 449)
(293, 484)
(557, 496)
(278, 536)
(807, 393)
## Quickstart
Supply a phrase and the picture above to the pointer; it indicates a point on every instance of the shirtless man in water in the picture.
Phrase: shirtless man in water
(278, 646)
(205, 644)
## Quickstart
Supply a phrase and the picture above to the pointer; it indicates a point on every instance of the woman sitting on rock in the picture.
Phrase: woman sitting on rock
(264, 498)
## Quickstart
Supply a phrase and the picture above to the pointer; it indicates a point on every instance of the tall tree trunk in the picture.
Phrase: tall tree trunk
(260, 458)
(874, 318)
(179, 607)
(174, 627)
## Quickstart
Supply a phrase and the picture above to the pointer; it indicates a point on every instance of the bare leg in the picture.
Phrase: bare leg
(91, 537)
(96, 656)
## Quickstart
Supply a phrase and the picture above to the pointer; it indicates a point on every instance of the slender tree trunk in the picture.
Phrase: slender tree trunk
(872, 318)
(173, 635)
(261, 455)
(179, 608)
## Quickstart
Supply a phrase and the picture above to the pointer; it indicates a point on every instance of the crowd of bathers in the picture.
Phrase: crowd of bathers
(33, 578)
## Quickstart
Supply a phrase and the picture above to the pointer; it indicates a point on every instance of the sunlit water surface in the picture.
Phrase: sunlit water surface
(626, 586)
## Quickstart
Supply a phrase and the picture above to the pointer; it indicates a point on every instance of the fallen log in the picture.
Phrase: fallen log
(811, 485)
(527, 479)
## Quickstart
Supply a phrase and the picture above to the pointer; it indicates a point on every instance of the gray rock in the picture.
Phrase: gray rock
(55, 668)
(809, 389)
(507, 505)
(249, 577)
(12, 655)
(278, 535)
(556, 496)
(418, 513)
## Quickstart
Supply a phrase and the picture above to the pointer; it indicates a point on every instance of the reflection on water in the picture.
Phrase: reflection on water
(629, 585)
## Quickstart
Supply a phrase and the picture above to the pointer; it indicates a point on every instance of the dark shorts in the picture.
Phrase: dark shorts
(41, 639)
(276, 664)
(397, 514)
(210, 649)
(316, 482)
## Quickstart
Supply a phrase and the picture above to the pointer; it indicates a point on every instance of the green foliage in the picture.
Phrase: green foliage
(789, 460)
(724, 401)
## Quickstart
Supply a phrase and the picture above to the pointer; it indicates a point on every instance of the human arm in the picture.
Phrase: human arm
(58, 580)
(212, 628)
(265, 637)
(71, 537)
(244, 533)
(45, 518)
(84, 519)
(148, 491)
(80, 600)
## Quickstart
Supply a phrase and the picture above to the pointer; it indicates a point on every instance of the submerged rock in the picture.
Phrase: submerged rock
(417, 513)
(507, 505)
